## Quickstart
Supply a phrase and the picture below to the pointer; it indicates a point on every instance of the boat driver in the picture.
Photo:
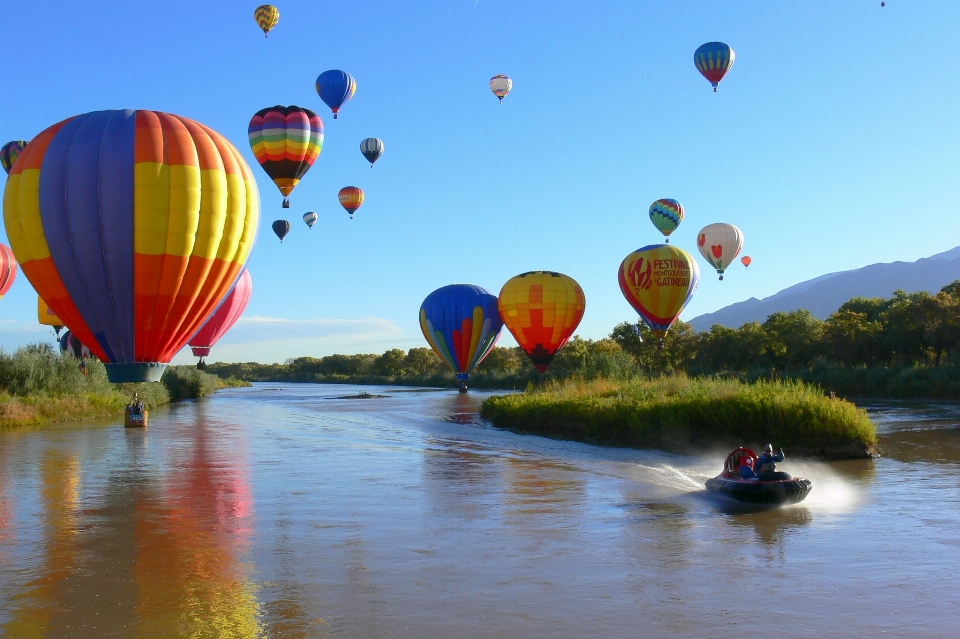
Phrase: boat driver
(767, 463)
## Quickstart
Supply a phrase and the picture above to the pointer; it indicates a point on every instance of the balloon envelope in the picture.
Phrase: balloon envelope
(281, 228)
(334, 88)
(372, 149)
(70, 344)
(542, 309)
(46, 316)
(658, 280)
(286, 142)
(351, 198)
(9, 153)
(666, 215)
(224, 318)
(720, 244)
(462, 324)
(501, 86)
(746, 260)
(132, 226)
(714, 60)
(8, 269)
(267, 16)
(310, 218)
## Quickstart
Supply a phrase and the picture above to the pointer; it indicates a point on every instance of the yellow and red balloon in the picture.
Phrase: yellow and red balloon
(658, 282)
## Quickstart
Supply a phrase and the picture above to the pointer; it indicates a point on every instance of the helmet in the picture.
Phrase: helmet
(747, 461)
(768, 449)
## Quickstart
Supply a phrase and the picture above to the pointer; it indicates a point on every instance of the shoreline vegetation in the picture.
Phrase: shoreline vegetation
(677, 414)
(39, 386)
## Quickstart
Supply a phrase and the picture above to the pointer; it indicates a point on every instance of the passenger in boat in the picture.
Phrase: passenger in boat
(766, 466)
(746, 469)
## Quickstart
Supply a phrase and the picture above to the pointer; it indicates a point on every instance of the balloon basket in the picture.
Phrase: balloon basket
(286, 204)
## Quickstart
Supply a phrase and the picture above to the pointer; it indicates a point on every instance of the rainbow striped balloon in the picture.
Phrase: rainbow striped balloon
(658, 281)
(132, 226)
(9, 153)
(286, 142)
(666, 215)
(714, 60)
(462, 325)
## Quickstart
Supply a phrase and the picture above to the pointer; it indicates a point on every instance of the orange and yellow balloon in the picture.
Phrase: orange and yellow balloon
(542, 309)
(658, 282)
(351, 198)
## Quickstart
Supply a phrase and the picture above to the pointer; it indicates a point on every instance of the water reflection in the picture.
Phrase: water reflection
(772, 526)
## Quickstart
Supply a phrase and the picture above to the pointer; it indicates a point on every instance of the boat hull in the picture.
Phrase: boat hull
(784, 491)
(134, 419)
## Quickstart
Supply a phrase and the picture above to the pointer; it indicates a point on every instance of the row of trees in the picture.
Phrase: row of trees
(907, 330)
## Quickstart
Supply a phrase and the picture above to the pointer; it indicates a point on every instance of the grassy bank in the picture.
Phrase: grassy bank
(677, 413)
(39, 385)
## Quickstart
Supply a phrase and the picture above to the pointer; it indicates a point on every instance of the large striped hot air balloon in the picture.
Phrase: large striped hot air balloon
(351, 198)
(542, 309)
(658, 281)
(666, 215)
(132, 226)
(223, 319)
(334, 88)
(462, 324)
(714, 60)
(8, 269)
(9, 153)
(720, 244)
(267, 17)
(286, 142)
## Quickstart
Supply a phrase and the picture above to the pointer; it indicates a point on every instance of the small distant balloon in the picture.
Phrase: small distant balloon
(71, 344)
(286, 142)
(372, 149)
(501, 85)
(334, 88)
(310, 218)
(351, 198)
(9, 153)
(281, 228)
(8, 269)
(46, 317)
(746, 260)
(267, 16)
(714, 60)
(720, 244)
(666, 215)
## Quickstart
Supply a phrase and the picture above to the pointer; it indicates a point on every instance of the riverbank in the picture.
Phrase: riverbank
(39, 386)
(679, 414)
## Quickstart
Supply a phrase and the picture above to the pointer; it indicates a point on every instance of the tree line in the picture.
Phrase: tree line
(907, 345)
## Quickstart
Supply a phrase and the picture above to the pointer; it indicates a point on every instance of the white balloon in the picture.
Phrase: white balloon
(501, 86)
(720, 244)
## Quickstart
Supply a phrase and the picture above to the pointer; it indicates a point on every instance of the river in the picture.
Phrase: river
(289, 510)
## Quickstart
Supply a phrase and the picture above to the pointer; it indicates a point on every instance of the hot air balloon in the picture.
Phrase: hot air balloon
(286, 142)
(8, 269)
(335, 88)
(658, 281)
(720, 244)
(746, 260)
(133, 226)
(46, 317)
(541, 309)
(70, 344)
(223, 319)
(351, 197)
(501, 86)
(714, 60)
(666, 215)
(281, 228)
(267, 16)
(462, 324)
(372, 149)
(9, 153)
(310, 218)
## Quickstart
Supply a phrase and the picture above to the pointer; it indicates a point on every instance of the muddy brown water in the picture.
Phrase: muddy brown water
(287, 511)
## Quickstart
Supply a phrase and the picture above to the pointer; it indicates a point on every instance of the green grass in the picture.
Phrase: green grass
(677, 413)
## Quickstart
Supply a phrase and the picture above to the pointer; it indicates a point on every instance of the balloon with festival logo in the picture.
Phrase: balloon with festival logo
(658, 281)
(462, 324)
(542, 309)
(720, 244)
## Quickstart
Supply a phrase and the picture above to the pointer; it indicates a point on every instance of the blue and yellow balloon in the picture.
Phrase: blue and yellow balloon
(462, 324)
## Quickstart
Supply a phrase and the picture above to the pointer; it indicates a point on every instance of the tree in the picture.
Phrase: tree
(504, 360)
(422, 361)
(793, 338)
(391, 363)
(852, 338)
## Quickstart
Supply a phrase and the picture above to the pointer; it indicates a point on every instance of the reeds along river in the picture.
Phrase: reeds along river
(285, 511)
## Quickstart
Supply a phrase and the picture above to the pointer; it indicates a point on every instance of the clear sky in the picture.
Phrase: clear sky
(834, 142)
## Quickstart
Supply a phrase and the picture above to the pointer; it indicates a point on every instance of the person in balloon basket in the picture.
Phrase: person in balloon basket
(766, 466)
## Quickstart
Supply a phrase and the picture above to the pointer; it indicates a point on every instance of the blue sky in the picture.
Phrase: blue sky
(833, 142)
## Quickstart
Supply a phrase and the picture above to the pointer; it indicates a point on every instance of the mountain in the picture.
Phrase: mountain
(823, 295)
